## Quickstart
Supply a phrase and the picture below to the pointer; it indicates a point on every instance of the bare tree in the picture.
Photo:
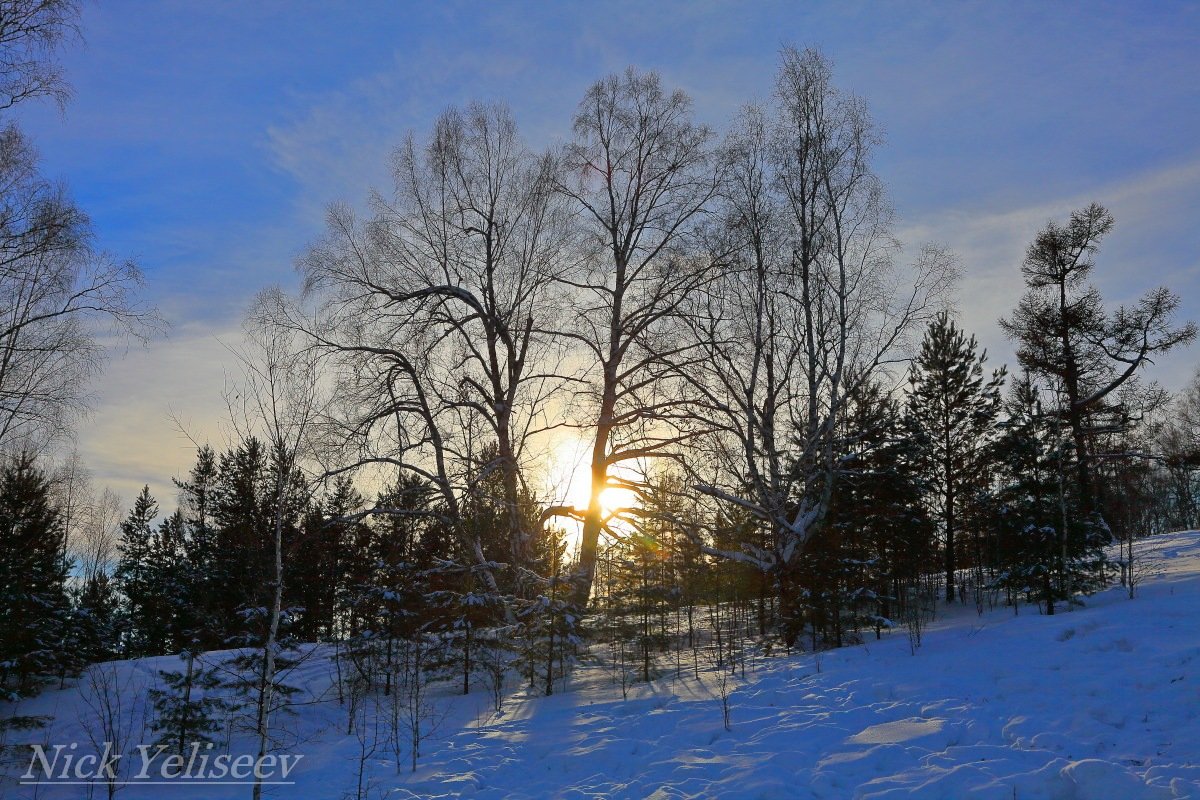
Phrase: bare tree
(413, 713)
(808, 308)
(112, 717)
(1178, 443)
(54, 292)
(436, 309)
(279, 398)
(640, 173)
(31, 33)
(97, 535)
(365, 726)
(92, 522)
(54, 287)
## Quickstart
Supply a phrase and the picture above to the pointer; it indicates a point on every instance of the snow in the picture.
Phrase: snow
(1099, 702)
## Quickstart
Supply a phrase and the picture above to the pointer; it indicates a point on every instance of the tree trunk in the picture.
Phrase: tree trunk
(268, 674)
(589, 545)
(949, 545)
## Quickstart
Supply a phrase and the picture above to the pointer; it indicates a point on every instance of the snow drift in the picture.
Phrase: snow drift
(1100, 702)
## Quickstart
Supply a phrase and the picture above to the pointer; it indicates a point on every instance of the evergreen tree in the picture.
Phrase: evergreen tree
(33, 579)
(1029, 521)
(462, 610)
(171, 582)
(319, 554)
(202, 587)
(638, 595)
(877, 516)
(382, 596)
(241, 518)
(144, 575)
(259, 684)
(1084, 354)
(547, 621)
(189, 710)
(954, 408)
(96, 619)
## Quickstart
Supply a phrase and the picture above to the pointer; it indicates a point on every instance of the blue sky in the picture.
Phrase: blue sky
(206, 138)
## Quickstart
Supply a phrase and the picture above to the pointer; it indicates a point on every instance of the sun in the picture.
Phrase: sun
(569, 482)
(615, 499)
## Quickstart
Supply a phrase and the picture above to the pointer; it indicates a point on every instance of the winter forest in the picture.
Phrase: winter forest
(667, 401)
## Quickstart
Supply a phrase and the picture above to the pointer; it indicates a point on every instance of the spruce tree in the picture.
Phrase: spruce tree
(170, 579)
(202, 584)
(382, 597)
(1028, 509)
(325, 542)
(97, 631)
(462, 610)
(877, 516)
(954, 408)
(241, 516)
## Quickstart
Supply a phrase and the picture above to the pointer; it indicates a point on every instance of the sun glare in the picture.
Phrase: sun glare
(569, 482)
(615, 498)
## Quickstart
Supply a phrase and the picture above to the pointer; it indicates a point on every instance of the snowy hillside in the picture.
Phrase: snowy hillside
(1101, 702)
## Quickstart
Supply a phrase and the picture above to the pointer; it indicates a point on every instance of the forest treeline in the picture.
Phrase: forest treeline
(814, 441)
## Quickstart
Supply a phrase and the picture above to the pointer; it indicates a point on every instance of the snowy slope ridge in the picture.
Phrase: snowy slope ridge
(1101, 702)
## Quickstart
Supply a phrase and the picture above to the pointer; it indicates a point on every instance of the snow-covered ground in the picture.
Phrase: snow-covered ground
(1101, 702)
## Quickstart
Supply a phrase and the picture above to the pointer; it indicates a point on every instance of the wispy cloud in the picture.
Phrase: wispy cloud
(206, 139)
(157, 402)
(1153, 244)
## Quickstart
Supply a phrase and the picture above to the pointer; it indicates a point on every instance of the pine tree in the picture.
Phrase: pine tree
(954, 408)
(638, 596)
(1070, 343)
(33, 579)
(546, 622)
(96, 619)
(461, 614)
(189, 711)
(259, 684)
(143, 575)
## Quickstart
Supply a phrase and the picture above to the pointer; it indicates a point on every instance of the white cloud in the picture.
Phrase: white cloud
(1145, 250)
(153, 402)
(946, 84)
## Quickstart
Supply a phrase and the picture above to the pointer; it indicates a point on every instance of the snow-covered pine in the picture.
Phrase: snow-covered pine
(188, 708)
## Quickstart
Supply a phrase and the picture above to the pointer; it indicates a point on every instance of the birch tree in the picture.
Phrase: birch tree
(56, 295)
(31, 34)
(57, 292)
(436, 307)
(279, 398)
(639, 174)
(809, 307)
